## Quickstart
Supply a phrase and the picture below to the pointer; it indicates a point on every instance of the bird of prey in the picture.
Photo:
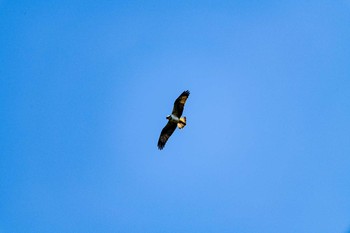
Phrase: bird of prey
(174, 120)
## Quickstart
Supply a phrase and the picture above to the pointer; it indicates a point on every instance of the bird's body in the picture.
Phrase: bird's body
(174, 120)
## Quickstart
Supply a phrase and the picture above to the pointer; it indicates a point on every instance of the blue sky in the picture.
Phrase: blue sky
(85, 87)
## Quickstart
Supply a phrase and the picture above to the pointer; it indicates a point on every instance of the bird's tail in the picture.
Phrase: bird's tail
(181, 123)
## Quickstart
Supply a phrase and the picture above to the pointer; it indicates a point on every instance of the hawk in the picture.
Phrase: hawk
(174, 120)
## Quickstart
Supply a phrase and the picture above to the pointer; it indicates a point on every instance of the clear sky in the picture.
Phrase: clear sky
(85, 87)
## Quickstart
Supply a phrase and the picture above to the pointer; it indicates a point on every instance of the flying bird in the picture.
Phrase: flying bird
(174, 120)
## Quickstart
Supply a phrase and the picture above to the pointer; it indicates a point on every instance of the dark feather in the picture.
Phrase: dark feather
(167, 131)
(180, 103)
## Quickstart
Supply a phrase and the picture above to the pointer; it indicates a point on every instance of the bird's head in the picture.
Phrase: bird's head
(168, 117)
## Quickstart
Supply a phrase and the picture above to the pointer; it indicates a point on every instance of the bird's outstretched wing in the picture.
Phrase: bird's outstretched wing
(167, 131)
(180, 103)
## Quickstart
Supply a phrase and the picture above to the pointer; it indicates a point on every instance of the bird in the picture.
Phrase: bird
(174, 120)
